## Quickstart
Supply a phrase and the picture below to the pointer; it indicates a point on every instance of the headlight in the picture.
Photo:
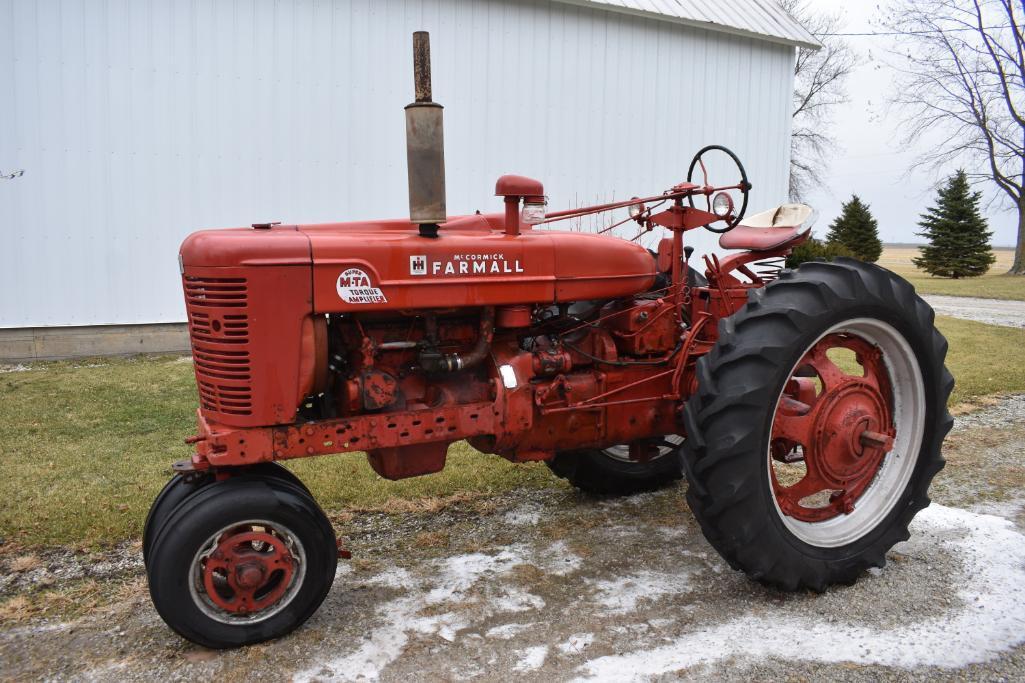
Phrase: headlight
(722, 205)
(636, 209)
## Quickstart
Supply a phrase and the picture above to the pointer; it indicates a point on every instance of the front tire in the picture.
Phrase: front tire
(180, 487)
(862, 442)
(242, 561)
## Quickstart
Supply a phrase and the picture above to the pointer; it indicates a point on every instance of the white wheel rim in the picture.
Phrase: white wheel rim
(895, 472)
(621, 452)
(197, 589)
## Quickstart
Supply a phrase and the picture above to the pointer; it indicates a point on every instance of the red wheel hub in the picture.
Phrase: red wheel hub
(843, 425)
(248, 571)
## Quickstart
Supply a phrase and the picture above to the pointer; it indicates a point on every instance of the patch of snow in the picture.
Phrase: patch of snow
(15, 368)
(622, 595)
(640, 500)
(990, 619)
(664, 623)
(393, 577)
(577, 642)
(525, 515)
(506, 631)
(400, 618)
(516, 600)
(462, 571)
(558, 559)
(1008, 509)
(671, 533)
(531, 659)
(386, 643)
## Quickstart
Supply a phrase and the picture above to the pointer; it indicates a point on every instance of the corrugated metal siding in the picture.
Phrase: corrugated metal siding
(138, 122)
(762, 18)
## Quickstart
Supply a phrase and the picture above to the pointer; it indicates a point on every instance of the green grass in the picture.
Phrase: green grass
(86, 445)
(984, 359)
(996, 284)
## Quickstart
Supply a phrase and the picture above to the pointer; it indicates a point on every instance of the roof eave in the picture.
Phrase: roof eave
(694, 23)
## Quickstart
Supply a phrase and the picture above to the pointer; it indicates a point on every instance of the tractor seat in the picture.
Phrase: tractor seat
(769, 230)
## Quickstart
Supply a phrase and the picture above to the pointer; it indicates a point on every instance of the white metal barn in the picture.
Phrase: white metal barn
(136, 123)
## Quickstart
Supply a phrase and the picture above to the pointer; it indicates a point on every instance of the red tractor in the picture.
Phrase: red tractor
(806, 407)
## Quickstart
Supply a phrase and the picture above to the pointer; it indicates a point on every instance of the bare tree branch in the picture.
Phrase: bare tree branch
(964, 79)
(819, 78)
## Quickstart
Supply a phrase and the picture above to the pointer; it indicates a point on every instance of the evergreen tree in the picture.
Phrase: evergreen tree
(857, 230)
(817, 250)
(958, 234)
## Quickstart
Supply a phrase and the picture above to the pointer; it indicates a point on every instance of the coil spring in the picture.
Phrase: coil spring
(769, 269)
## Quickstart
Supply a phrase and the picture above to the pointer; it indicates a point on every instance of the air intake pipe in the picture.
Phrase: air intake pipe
(425, 145)
(435, 362)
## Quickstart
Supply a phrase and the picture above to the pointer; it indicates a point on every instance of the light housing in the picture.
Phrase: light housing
(533, 212)
(722, 205)
(636, 210)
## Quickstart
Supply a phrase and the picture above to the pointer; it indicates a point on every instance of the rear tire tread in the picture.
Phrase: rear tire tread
(724, 438)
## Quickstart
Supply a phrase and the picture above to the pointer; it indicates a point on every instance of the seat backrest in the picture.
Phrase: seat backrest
(784, 216)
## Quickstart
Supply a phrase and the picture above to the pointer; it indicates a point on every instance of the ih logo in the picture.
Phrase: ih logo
(418, 265)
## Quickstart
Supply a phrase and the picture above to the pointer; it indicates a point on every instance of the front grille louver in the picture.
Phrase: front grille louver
(219, 329)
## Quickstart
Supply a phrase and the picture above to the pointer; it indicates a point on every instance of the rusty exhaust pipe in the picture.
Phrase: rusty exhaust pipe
(425, 145)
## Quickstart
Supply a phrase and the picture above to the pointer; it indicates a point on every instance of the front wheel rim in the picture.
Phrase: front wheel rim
(856, 438)
(247, 572)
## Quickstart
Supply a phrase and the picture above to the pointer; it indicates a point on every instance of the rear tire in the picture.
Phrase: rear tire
(242, 561)
(733, 436)
(610, 472)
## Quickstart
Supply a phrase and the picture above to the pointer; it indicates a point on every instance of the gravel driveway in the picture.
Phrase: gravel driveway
(553, 585)
(990, 311)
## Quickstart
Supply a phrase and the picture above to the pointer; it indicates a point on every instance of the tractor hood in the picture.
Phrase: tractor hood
(387, 265)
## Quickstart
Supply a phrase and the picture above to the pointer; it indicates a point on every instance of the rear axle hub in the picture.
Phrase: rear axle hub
(846, 413)
(842, 423)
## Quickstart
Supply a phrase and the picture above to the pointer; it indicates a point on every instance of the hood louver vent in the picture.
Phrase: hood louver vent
(219, 329)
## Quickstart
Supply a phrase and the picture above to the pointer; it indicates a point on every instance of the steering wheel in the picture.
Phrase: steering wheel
(744, 186)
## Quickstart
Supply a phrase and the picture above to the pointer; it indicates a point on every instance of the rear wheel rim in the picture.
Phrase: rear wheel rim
(247, 572)
(856, 438)
(621, 452)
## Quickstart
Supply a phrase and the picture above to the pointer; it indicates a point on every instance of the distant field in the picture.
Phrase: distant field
(993, 285)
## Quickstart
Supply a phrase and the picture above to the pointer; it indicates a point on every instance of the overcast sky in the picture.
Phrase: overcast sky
(870, 161)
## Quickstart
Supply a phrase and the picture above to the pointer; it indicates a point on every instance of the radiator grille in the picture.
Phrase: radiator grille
(219, 328)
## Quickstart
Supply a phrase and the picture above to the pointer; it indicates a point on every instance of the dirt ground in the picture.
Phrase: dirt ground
(552, 585)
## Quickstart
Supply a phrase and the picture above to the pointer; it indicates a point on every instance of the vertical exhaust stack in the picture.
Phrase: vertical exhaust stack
(425, 145)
